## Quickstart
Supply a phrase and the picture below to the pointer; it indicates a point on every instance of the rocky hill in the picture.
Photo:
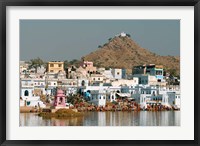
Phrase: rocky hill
(123, 52)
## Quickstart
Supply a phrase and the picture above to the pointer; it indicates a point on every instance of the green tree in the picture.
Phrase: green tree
(99, 46)
(74, 99)
(172, 72)
(66, 64)
(35, 63)
(75, 62)
(128, 35)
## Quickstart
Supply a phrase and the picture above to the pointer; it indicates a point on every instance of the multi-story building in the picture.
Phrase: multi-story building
(55, 67)
(88, 66)
(27, 87)
(96, 78)
(23, 67)
(39, 86)
(123, 82)
(108, 74)
(151, 69)
(117, 73)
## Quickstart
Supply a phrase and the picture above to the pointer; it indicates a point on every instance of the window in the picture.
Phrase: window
(26, 93)
(117, 73)
(51, 65)
(98, 78)
(54, 83)
(59, 65)
(104, 97)
(94, 79)
(158, 72)
(112, 97)
(83, 83)
(51, 70)
(154, 93)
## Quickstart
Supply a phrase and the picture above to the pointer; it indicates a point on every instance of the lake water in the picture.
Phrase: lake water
(119, 118)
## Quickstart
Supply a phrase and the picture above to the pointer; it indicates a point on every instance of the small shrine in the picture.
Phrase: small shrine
(59, 101)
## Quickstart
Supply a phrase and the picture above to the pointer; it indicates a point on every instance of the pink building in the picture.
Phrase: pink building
(59, 101)
(88, 66)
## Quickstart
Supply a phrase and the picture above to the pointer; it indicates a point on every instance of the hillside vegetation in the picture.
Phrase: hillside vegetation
(123, 52)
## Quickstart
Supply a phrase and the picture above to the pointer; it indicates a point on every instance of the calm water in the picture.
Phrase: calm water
(142, 118)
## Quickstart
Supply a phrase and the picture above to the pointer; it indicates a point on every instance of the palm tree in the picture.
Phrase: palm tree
(35, 63)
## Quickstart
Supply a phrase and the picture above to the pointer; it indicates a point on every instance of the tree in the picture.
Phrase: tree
(99, 46)
(66, 64)
(172, 72)
(128, 35)
(74, 99)
(35, 63)
(75, 62)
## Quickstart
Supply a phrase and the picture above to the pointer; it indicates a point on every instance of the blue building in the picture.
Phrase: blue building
(123, 73)
(151, 69)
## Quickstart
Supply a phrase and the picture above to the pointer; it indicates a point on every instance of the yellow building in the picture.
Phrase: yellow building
(55, 66)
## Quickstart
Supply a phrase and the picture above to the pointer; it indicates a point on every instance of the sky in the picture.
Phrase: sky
(59, 40)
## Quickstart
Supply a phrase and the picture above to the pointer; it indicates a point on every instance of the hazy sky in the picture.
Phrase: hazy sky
(61, 40)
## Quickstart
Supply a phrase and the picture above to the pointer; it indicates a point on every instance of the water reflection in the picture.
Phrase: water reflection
(142, 118)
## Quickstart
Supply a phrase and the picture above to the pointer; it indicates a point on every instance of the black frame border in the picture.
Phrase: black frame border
(5, 3)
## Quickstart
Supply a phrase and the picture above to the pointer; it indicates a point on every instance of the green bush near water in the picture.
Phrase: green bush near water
(61, 113)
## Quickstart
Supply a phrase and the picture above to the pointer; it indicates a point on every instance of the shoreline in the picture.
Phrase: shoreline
(61, 113)
(26, 109)
(90, 109)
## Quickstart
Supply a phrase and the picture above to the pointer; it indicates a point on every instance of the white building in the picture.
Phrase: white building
(83, 82)
(51, 85)
(146, 79)
(27, 87)
(27, 96)
(39, 90)
(98, 97)
(96, 78)
(108, 74)
(122, 34)
(41, 70)
(117, 73)
(23, 67)
(149, 95)
(121, 82)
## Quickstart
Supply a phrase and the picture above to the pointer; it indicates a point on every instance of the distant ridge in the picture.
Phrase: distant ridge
(123, 52)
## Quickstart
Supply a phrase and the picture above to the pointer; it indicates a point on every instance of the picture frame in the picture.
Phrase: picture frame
(102, 3)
